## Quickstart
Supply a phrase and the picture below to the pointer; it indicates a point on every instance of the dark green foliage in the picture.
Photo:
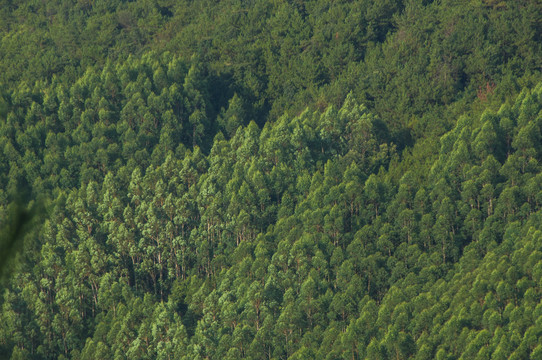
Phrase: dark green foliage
(271, 180)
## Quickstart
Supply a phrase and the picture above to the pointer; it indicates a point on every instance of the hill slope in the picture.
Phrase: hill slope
(219, 185)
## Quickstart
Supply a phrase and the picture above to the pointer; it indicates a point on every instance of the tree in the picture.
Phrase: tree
(234, 117)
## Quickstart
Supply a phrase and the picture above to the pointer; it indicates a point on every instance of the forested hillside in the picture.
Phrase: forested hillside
(270, 180)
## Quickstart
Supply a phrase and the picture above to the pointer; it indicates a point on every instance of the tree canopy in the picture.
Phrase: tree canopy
(270, 180)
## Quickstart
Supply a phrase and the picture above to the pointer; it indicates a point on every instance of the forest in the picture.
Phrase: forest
(286, 179)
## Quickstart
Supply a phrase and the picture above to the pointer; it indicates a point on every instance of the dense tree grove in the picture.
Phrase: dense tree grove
(270, 180)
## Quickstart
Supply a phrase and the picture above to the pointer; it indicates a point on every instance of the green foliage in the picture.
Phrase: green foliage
(271, 180)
